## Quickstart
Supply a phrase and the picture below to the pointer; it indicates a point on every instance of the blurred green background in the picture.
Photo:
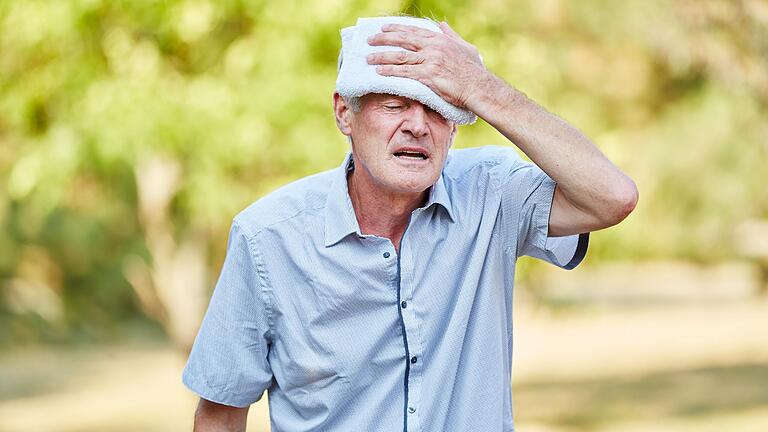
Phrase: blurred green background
(131, 132)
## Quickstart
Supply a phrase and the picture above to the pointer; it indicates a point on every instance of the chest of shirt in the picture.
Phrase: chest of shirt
(351, 302)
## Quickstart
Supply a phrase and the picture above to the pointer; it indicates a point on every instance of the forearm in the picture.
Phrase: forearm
(213, 417)
(587, 179)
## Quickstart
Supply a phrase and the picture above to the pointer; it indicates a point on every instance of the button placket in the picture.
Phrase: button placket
(412, 326)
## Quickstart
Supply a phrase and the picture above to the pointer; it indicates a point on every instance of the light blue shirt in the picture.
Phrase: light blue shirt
(347, 335)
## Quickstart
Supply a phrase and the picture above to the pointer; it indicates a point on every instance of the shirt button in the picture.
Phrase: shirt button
(411, 410)
(414, 359)
(386, 254)
(403, 304)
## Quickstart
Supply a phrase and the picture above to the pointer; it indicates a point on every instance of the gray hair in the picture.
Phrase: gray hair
(354, 103)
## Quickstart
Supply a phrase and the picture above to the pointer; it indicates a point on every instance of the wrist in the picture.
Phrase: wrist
(491, 96)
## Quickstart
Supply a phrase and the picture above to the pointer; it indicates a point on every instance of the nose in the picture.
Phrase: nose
(416, 121)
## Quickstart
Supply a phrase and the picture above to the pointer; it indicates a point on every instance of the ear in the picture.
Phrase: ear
(454, 130)
(343, 114)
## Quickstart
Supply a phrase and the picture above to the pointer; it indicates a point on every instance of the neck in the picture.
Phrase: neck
(380, 212)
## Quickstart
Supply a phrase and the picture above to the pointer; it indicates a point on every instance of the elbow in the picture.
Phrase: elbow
(620, 203)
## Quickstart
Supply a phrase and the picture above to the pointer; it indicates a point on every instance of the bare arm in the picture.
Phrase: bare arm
(214, 417)
(591, 192)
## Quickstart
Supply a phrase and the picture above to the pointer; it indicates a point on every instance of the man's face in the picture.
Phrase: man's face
(401, 143)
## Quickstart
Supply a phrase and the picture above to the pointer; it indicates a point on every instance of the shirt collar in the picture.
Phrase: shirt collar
(340, 219)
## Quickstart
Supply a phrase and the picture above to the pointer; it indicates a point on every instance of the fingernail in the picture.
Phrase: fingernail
(369, 58)
(370, 39)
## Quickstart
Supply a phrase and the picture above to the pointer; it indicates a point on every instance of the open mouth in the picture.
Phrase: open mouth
(415, 155)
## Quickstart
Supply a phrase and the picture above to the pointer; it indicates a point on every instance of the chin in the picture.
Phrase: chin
(410, 183)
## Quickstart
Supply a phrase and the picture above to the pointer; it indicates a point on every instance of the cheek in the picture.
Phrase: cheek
(441, 131)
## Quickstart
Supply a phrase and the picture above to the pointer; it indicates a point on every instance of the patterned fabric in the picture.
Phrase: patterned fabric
(347, 335)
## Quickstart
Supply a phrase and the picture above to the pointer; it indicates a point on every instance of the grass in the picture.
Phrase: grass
(694, 394)
(688, 368)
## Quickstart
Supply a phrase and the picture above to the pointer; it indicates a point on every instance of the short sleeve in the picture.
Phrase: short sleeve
(229, 363)
(527, 195)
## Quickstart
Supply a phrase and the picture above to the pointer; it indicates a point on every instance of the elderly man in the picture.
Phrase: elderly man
(378, 296)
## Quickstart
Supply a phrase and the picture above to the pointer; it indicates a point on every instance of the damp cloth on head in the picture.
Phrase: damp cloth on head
(357, 78)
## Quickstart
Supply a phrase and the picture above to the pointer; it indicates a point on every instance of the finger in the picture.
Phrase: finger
(448, 30)
(410, 42)
(406, 70)
(395, 57)
(408, 29)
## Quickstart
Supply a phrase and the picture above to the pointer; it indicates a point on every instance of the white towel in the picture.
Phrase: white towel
(357, 78)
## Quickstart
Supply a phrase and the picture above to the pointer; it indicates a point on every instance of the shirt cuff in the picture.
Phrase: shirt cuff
(568, 251)
(219, 396)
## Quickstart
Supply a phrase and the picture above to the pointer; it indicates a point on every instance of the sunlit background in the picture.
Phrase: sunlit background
(131, 132)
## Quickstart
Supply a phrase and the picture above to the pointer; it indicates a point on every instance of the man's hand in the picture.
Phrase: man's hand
(444, 62)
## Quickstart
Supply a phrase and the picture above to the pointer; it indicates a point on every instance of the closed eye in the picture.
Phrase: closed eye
(436, 114)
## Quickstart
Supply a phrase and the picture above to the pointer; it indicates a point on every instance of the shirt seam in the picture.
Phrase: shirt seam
(497, 187)
(281, 220)
(535, 216)
(488, 162)
(507, 233)
(265, 288)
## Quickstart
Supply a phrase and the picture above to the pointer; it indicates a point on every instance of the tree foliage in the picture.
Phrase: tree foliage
(132, 131)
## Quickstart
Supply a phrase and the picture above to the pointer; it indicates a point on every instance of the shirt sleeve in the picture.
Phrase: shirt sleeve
(229, 362)
(527, 195)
